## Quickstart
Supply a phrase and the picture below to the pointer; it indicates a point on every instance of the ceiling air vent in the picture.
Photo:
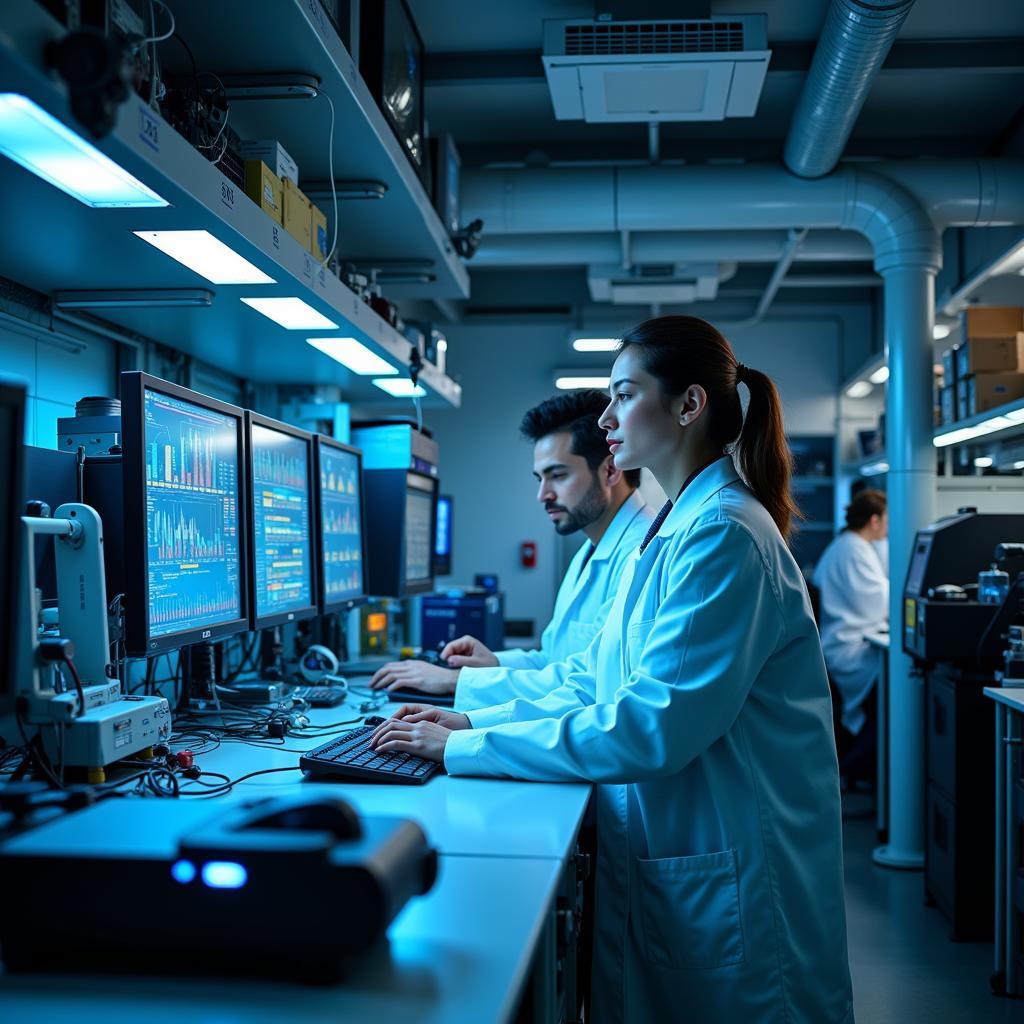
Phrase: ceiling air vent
(633, 71)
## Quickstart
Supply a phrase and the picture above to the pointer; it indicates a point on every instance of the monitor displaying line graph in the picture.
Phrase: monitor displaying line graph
(192, 499)
(281, 521)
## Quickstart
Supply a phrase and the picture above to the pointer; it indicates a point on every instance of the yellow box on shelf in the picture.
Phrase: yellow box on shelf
(264, 188)
(297, 216)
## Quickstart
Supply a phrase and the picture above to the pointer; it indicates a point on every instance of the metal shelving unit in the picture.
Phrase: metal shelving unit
(67, 246)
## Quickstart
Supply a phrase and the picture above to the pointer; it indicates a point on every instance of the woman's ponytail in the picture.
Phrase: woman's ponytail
(684, 350)
(762, 452)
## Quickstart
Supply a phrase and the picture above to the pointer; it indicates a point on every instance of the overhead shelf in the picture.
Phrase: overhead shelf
(400, 230)
(1002, 422)
(64, 245)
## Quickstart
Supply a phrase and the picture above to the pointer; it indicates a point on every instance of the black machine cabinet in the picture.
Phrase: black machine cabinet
(952, 550)
(959, 849)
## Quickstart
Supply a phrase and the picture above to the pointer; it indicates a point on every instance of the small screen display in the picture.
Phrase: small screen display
(419, 516)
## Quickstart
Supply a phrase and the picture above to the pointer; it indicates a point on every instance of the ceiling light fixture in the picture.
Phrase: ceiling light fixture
(880, 376)
(291, 312)
(595, 344)
(52, 151)
(859, 389)
(400, 387)
(571, 382)
(353, 355)
(207, 255)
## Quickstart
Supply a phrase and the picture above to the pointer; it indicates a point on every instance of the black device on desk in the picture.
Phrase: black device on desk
(289, 887)
(938, 623)
(350, 757)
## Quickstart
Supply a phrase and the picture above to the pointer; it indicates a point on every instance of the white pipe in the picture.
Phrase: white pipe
(576, 249)
(909, 314)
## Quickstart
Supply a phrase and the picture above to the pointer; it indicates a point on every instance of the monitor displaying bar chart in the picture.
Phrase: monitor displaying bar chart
(341, 524)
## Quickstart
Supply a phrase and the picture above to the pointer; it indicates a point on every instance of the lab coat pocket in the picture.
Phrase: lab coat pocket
(636, 637)
(579, 635)
(689, 911)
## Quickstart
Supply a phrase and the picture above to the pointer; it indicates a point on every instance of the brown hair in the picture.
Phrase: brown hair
(680, 351)
(865, 505)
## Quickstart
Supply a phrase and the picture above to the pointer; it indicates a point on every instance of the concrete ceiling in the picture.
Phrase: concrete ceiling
(953, 85)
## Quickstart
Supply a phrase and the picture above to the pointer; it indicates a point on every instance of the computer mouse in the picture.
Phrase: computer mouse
(324, 814)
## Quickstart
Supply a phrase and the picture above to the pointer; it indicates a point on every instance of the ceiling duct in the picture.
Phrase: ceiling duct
(649, 71)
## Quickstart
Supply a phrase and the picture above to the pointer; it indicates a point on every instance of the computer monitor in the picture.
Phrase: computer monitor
(282, 569)
(420, 504)
(185, 496)
(391, 63)
(443, 536)
(340, 517)
(12, 442)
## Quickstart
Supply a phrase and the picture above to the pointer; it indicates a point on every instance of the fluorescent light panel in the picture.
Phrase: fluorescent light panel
(875, 468)
(983, 461)
(575, 383)
(52, 151)
(353, 355)
(292, 313)
(988, 426)
(940, 331)
(880, 376)
(595, 344)
(400, 387)
(206, 255)
(858, 389)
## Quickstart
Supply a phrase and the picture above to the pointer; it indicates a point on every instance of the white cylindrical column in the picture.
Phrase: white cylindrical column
(909, 317)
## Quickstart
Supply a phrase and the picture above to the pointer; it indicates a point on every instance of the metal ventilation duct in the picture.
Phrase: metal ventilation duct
(852, 48)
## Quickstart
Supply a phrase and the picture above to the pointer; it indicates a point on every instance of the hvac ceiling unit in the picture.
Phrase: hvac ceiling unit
(631, 71)
(664, 283)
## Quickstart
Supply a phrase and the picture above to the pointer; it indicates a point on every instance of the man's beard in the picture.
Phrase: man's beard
(588, 510)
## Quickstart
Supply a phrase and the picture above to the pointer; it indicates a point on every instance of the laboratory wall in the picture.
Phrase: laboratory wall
(59, 371)
(507, 367)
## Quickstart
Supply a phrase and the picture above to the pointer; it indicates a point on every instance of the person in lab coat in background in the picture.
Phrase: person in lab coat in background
(702, 712)
(854, 585)
(582, 491)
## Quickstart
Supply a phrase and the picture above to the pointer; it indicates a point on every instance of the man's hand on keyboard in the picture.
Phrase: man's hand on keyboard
(418, 729)
(417, 675)
(468, 652)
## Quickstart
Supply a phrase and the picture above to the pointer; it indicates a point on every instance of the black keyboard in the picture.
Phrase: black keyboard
(350, 757)
(320, 696)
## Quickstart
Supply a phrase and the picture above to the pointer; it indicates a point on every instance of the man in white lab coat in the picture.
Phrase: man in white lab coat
(582, 491)
(854, 585)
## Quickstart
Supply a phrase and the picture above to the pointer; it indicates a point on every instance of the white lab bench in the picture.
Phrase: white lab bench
(1009, 908)
(483, 939)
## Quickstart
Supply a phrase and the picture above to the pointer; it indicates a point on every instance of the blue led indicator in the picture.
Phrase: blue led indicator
(224, 874)
(183, 871)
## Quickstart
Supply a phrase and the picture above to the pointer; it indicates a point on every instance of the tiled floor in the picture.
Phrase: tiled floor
(905, 970)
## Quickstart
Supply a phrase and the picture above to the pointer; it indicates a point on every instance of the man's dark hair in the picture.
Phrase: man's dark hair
(576, 413)
(866, 504)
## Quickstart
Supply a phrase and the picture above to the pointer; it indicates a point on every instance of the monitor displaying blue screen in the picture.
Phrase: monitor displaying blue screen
(443, 536)
(281, 522)
(341, 525)
(192, 515)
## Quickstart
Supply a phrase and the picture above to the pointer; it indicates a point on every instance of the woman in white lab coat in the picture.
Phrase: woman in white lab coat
(702, 712)
(854, 585)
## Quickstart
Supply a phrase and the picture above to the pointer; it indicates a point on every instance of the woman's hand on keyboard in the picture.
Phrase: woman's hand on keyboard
(418, 729)
(415, 675)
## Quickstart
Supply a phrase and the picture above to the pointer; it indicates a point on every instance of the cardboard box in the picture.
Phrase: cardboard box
(987, 391)
(297, 218)
(319, 241)
(274, 155)
(991, 355)
(947, 406)
(949, 366)
(263, 187)
(991, 321)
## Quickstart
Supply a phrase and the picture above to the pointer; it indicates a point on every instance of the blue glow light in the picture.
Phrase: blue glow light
(46, 147)
(224, 874)
(183, 871)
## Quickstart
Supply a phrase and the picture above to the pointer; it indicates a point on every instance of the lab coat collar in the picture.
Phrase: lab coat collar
(629, 510)
(721, 473)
